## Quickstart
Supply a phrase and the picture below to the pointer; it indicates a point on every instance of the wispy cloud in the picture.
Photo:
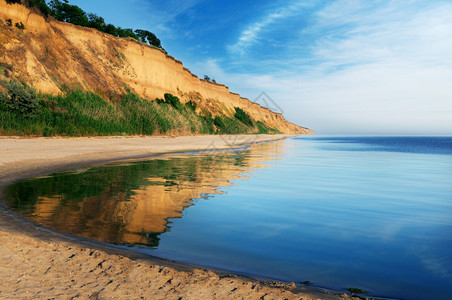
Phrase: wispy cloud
(252, 32)
(393, 32)
(368, 67)
(160, 16)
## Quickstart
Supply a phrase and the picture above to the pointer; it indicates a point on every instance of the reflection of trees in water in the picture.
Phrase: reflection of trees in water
(129, 203)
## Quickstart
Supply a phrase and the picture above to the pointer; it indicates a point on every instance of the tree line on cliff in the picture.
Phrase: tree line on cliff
(65, 12)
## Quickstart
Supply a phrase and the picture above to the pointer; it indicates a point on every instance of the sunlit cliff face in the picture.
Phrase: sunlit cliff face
(132, 203)
(49, 53)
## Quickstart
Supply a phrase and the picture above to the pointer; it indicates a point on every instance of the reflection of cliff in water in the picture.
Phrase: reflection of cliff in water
(131, 203)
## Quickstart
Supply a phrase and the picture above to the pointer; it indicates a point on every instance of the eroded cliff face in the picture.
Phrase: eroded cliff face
(48, 54)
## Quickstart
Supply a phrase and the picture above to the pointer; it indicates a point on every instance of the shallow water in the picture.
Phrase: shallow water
(373, 213)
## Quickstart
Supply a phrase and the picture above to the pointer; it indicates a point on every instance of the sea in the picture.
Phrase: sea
(368, 213)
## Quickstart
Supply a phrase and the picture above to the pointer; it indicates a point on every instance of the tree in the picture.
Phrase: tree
(153, 40)
(111, 29)
(41, 5)
(65, 12)
(207, 78)
(141, 35)
(126, 32)
(94, 21)
(149, 37)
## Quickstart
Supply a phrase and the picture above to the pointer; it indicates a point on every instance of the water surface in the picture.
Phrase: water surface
(373, 213)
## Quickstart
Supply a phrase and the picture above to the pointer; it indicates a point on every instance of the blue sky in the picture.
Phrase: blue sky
(337, 66)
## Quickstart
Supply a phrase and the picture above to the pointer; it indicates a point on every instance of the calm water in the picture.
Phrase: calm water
(371, 213)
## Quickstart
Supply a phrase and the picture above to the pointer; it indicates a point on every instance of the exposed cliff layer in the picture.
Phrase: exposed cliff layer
(48, 54)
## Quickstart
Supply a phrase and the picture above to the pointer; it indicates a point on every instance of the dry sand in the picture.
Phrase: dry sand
(39, 263)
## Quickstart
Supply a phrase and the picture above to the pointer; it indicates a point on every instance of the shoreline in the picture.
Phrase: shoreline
(41, 262)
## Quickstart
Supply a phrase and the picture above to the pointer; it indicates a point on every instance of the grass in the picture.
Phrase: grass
(79, 113)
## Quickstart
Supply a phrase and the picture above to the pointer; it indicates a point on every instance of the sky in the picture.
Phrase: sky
(355, 67)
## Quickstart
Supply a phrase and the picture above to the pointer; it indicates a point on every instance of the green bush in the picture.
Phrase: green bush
(173, 101)
(218, 121)
(235, 126)
(21, 99)
(243, 117)
(208, 124)
(20, 25)
(191, 105)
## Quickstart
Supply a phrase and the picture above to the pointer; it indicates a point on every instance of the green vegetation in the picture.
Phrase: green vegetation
(192, 105)
(41, 5)
(65, 12)
(262, 128)
(356, 290)
(20, 25)
(173, 101)
(207, 78)
(227, 125)
(78, 113)
(147, 36)
(20, 99)
(243, 117)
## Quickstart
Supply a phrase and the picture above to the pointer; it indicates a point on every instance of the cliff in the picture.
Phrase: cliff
(48, 55)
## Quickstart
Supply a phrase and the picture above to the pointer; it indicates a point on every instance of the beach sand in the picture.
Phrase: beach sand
(40, 263)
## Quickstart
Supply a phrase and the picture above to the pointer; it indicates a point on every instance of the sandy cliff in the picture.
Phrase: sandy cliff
(48, 54)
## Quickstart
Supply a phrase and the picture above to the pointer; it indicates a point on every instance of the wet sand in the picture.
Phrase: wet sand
(40, 263)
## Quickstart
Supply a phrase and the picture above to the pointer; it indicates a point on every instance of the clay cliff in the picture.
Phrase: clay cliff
(50, 55)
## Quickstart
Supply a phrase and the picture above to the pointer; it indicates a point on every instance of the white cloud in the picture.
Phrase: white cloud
(374, 67)
(252, 32)
(392, 32)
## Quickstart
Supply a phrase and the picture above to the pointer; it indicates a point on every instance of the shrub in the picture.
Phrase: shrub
(3, 101)
(22, 99)
(159, 100)
(191, 105)
(218, 121)
(243, 117)
(20, 25)
(208, 123)
(173, 101)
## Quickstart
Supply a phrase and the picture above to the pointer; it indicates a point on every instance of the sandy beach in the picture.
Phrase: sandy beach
(40, 263)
